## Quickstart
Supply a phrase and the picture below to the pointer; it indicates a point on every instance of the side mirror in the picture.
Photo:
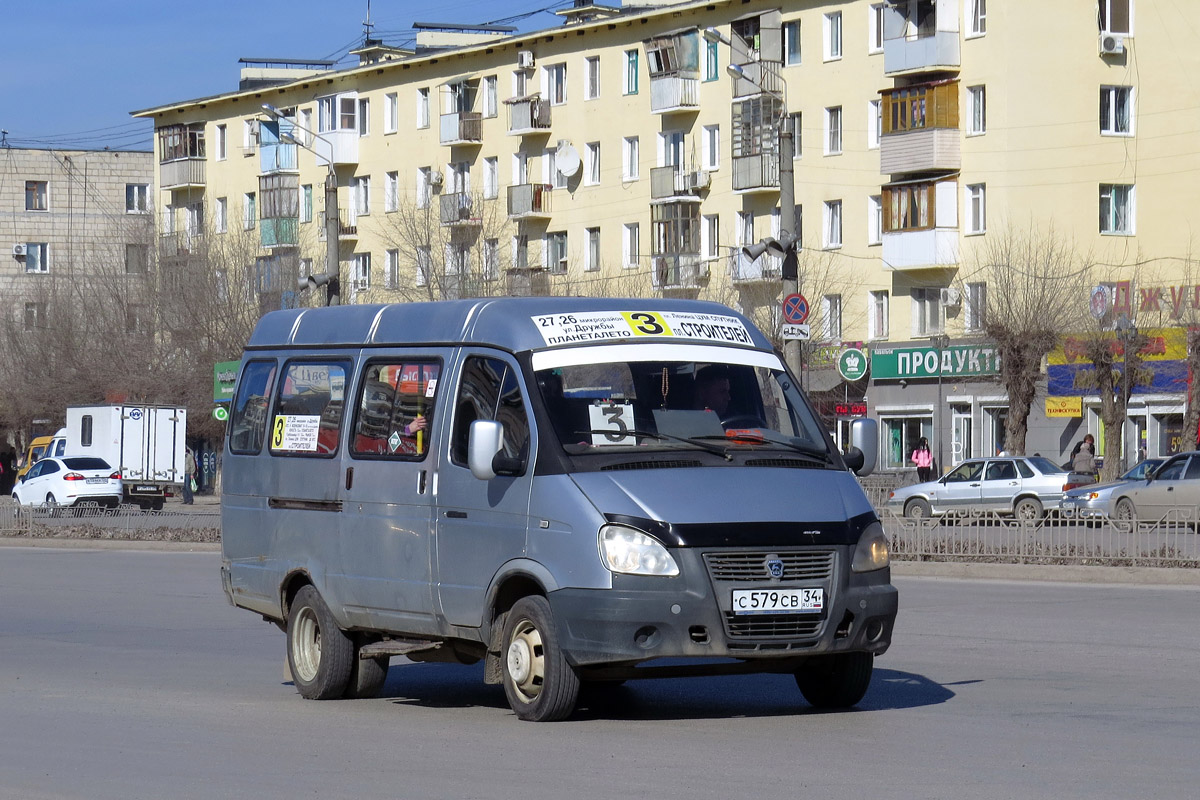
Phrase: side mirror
(483, 444)
(864, 437)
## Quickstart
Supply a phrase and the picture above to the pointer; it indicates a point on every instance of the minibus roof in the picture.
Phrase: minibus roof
(511, 323)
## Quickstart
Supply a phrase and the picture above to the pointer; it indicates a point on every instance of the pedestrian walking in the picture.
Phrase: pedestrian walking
(189, 478)
(922, 456)
(1088, 439)
(1085, 459)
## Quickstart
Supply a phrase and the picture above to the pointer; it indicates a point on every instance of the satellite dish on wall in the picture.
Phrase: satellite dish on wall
(566, 159)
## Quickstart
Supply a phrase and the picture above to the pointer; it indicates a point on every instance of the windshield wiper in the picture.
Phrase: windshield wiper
(693, 441)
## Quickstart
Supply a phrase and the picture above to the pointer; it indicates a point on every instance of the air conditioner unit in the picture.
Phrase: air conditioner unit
(1111, 44)
(525, 59)
(435, 179)
(19, 250)
(951, 297)
(700, 180)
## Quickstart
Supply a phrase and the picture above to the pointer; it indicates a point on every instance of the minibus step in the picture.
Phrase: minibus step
(396, 647)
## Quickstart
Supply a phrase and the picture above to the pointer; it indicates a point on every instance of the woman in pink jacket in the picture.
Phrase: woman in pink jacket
(923, 458)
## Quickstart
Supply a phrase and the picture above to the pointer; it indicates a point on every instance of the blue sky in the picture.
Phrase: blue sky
(72, 70)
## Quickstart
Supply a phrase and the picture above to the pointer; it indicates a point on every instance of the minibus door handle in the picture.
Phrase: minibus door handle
(456, 514)
(349, 477)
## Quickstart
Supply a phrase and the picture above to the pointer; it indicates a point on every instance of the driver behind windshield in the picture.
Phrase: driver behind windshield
(713, 389)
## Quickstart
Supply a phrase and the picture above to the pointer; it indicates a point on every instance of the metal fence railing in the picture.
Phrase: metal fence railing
(199, 523)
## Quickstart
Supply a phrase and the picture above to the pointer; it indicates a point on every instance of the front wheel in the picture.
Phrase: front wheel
(539, 683)
(320, 655)
(838, 680)
(1125, 510)
(1029, 509)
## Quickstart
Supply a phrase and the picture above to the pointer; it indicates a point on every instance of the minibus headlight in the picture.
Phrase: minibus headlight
(634, 553)
(872, 552)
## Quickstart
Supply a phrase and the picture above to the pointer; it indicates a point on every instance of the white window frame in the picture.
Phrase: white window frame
(137, 202)
(877, 314)
(391, 112)
(363, 120)
(833, 131)
(360, 191)
(797, 119)
(591, 250)
(1109, 118)
(491, 178)
(491, 102)
(424, 186)
(743, 232)
(875, 28)
(489, 266)
(874, 123)
(975, 211)
(833, 35)
(831, 317)
(591, 164)
(1112, 195)
(976, 110)
(926, 304)
(248, 142)
(520, 83)
(710, 236)
(520, 169)
(550, 173)
(976, 16)
(249, 211)
(422, 112)
(792, 36)
(712, 61)
(710, 139)
(875, 219)
(391, 269)
(37, 257)
(630, 158)
(360, 264)
(424, 265)
(391, 192)
(976, 306)
(591, 78)
(221, 215)
(555, 266)
(306, 125)
(629, 72)
(1106, 14)
(554, 83)
(831, 228)
(306, 203)
(631, 245)
(222, 142)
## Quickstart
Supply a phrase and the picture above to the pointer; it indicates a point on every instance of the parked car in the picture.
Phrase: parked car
(1024, 486)
(1094, 499)
(69, 483)
(1174, 486)
(37, 449)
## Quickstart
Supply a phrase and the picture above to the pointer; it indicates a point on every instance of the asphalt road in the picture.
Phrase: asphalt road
(126, 675)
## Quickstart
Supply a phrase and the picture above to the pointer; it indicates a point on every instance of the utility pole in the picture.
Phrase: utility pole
(332, 230)
(787, 209)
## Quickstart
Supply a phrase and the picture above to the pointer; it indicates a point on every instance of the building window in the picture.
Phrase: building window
(976, 208)
(900, 437)
(306, 203)
(791, 43)
(874, 123)
(222, 143)
(364, 116)
(1115, 16)
(193, 218)
(631, 72)
(629, 158)
(592, 153)
(391, 191)
(520, 83)
(592, 87)
(554, 79)
(423, 107)
(710, 236)
(35, 316)
(491, 178)
(491, 105)
(249, 215)
(877, 314)
(360, 191)
(137, 259)
(424, 186)
(591, 261)
(831, 317)
(424, 264)
(875, 219)
(491, 259)
(137, 198)
(550, 172)
(391, 112)
(797, 134)
(520, 252)
(712, 61)
(976, 306)
(361, 270)
(711, 141)
(302, 133)
(1116, 106)
(978, 13)
(833, 36)
(631, 245)
(249, 135)
(927, 312)
(556, 252)
(520, 169)
(1116, 209)
(222, 215)
(37, 257)
(908, 207)
(875, 29)
(833, 131)
(833, 224)
(35, 195)
(744, 232)
(977, 109)
(391, 274)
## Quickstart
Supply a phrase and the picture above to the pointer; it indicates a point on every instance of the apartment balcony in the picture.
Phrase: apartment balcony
(672, 93)
(678, 271)
(921, 249)
(760, 76)
(757, 173)
(457, 210)
(277, 157)
(465, 127)
(279, 231)
(936, 51)
(923, 150)
(179, 245)
(522, 282)
(529, 201)
(677, 183)
(182, 173)
(743, 269)
(347, 226)
(528, 116)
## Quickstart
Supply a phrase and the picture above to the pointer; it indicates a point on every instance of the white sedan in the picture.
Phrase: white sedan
(69, 483)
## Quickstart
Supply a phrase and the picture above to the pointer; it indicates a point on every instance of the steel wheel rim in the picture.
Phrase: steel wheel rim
(526, 661)
(306, 645)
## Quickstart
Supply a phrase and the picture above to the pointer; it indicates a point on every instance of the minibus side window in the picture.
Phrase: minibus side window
(248, 422)
(309, 411)
(490, 390)
(395, 409)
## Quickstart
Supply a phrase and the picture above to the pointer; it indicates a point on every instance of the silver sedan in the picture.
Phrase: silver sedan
(1094, 500)
(1018, 485)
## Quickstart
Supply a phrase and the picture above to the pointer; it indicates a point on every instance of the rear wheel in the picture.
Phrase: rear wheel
(918, 509)
(1029, 509)
(838, 680)
(52, 506)
(320, 655)
(367, 676)
(539, 683)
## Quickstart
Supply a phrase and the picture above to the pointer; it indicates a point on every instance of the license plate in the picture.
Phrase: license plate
(146, 489)
(778, 601)
(97, 480)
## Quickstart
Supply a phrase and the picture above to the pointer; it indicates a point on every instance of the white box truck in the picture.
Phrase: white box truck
(145, 442)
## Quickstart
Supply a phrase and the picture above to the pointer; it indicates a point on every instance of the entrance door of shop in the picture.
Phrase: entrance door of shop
(960, 441)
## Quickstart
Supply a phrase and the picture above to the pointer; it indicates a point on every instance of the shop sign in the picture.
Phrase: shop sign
(850, 409)
(852, 364)
(224, 377)
(1064, 407)
(957, 361)
(1162, 367)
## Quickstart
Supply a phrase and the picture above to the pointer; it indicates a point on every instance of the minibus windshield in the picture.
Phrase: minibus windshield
(671, 397)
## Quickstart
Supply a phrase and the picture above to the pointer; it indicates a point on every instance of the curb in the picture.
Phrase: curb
(1062, 573)
(109, 544)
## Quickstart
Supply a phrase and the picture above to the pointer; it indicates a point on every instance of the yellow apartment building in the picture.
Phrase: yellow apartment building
(618, 154)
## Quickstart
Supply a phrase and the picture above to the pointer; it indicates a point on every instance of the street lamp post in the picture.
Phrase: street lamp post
(331, 278)
(1127, 332)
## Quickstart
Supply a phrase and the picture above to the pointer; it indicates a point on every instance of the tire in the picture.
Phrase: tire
(539, 683)
(835, 681)
(1125, 510)
(52, 506)
(918, 509)
(1029, 509)
(320, 655)
(367, 676)
(156, 505)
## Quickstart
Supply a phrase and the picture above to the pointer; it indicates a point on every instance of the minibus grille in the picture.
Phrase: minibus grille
(791, 463)
(677, 464)
(770, 625)
(804, 565)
